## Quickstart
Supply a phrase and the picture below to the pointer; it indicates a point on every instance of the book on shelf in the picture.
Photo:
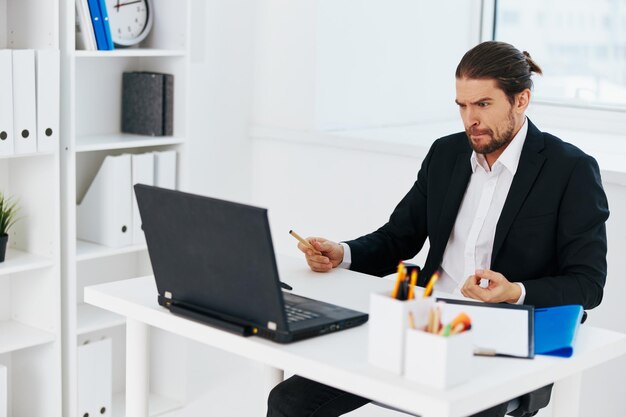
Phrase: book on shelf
(148, 103)
(99, 22)
(85, 37)
(105, 24)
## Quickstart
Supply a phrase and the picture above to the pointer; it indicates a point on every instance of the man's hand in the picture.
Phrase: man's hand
(499, 288)
(331, 254)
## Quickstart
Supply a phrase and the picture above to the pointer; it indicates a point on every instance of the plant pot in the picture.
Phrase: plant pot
(4, 239)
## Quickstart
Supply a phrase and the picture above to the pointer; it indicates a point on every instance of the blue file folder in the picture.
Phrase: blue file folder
(105, 23)
(101, 28)
(556, 329)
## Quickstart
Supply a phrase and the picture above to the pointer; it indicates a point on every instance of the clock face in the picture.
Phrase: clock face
(130, 20)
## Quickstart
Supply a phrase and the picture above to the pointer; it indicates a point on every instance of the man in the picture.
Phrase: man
(513, 215)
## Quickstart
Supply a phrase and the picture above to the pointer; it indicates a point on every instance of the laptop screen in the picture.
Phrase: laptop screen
(212, 254)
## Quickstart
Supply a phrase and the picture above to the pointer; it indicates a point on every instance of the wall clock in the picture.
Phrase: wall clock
(130, 20)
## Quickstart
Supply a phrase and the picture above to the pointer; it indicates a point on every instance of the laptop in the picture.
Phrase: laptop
(213, 261)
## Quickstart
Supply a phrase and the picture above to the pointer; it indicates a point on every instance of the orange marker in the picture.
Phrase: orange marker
(460, 322)
(458, 328)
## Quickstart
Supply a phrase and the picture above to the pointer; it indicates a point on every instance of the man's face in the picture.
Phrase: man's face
(489, 118)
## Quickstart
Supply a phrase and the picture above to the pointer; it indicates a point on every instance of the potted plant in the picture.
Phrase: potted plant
(8, 212)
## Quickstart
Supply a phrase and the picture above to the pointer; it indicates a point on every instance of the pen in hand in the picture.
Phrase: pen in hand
(304, 242)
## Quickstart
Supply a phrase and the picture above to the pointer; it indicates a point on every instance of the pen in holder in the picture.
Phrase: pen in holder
(439, 356)
(388, 325)
(389, 318)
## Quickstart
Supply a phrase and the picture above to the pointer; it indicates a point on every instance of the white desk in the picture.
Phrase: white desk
(340, 359)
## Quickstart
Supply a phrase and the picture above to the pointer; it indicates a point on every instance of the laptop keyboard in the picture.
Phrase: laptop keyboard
(295, 314)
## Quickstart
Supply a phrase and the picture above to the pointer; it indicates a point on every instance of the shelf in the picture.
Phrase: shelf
(16, 336)
(157, 404)
(122, 141)
(26, 155)
(91, 319)
(131, 52)
(88, 250)
(20, 261)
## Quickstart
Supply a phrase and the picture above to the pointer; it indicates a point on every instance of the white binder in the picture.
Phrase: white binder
(142, 173)
(48, 101)
(4, 386)
(6, 103)
(85, 38)
(165, 169)
(105, 214)
(24, 110)
(95, 383)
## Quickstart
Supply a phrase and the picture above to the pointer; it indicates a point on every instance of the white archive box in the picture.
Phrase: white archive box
(4, 386)
(105, 214)
(388, 324)
(438, 361)
(95, 383)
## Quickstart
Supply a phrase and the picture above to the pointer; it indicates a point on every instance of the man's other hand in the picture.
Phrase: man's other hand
(331, 254)
(499, 289)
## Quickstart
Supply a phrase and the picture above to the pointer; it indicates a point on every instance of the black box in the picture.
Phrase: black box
(148, 103)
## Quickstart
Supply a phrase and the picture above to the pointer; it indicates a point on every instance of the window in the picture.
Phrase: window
(579, 44)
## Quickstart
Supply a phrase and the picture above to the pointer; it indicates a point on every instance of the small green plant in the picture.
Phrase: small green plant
(8, 213)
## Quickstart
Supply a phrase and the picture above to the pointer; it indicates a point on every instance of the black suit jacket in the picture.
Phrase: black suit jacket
(550, 236)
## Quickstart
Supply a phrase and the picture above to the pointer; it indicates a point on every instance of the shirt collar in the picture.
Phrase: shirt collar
(509, 158)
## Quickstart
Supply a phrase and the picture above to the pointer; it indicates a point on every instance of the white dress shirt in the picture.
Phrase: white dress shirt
(471, 241)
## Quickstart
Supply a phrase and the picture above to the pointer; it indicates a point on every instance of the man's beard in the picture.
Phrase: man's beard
(496, 142)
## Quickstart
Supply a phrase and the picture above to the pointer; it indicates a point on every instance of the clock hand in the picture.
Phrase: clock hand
(117, 6)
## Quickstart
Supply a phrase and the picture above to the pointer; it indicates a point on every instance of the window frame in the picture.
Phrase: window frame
(562, 114)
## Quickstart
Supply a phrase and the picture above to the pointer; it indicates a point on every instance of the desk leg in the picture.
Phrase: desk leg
(566, 396)
(273, 377)
(137, 368)
(270, 377)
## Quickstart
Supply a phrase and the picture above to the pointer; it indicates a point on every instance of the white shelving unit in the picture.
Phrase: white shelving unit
(30, 277)
(91, 121)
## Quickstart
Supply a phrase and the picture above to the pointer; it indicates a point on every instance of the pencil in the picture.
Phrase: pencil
(429, 323)
(431, 284)
(412, 287)
(400, 277)
(304, 242)
(433, 326)
(411, 320)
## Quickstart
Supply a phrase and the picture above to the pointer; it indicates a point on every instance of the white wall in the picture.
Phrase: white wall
(337, 64)
(220, 97)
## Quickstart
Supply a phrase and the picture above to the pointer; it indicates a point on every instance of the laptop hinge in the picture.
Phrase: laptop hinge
(205, 317)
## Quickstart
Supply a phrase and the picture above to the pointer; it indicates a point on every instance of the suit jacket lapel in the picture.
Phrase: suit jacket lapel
(452, 202)
(530, 164)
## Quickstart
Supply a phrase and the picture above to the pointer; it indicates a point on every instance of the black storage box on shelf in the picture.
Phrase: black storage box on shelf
(147, 103)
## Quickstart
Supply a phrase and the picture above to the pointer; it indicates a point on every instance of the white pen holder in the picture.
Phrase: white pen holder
(388, 324)
(438, 361)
